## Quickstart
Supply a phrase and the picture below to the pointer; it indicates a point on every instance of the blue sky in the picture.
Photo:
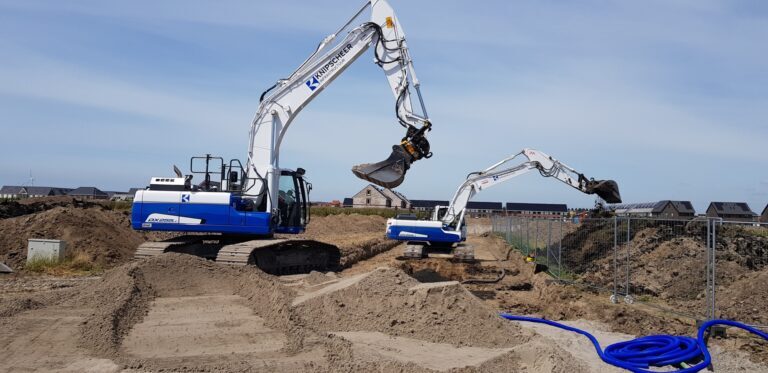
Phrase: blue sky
(669, 98)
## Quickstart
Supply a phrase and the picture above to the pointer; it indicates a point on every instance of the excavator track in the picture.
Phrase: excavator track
(240, 254)
(278, 256)
(177, 244)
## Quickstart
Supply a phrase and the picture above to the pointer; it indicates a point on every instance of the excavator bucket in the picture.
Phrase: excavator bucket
(388, 173)
(606, 189)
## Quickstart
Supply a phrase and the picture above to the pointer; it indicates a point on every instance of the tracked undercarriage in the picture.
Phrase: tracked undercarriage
(278, 256)
(419, 250)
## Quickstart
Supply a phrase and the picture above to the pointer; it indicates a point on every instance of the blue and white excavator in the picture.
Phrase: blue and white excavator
(234, 218)
(447, 228)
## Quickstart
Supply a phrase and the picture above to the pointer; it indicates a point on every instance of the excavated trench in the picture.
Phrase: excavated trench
(181, 313)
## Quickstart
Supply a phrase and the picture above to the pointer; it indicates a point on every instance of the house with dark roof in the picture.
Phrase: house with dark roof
(347, 202)
(427, 204)
(477, 209)
(660, 209)
(397, 199)
(88, 193)
(123, 196)
(684, 208)
(738, 211)
(764, 215)
(537, 210)
(20, 192)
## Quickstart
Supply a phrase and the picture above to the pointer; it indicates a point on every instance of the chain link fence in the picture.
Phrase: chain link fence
(700, 268)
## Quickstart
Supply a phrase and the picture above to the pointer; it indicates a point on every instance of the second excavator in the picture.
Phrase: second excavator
(447, 228)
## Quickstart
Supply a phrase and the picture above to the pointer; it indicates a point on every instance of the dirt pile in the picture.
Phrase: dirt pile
(10, 209)
(107, 239)
(347, 325)
(389, 301)
(666, 259)
(104, 235)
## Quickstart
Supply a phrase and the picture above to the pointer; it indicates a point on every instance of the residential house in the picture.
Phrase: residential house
(476, 209)
(88, 193)
(427, 205)
(123, 196)
(348, 202)
(660, 209)
(764, 215)
(373, 196)
(20, 192)
(737, 211)
(398, 199)
(537, 210)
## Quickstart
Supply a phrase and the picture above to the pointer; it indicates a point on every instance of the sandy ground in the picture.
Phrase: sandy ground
(382, 313)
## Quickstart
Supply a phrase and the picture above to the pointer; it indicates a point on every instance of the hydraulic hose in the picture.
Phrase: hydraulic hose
(639, 354)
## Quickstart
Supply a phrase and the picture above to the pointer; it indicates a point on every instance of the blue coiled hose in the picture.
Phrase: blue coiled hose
(639, 354)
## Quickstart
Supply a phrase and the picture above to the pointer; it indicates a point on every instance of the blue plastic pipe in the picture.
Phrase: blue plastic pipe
(640, 354)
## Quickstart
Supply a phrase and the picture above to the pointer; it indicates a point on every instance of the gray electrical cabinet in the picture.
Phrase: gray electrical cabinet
(47, 249)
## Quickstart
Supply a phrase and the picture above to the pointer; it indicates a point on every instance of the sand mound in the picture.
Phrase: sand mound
(349, 224)
(105, 236)
(389, 301)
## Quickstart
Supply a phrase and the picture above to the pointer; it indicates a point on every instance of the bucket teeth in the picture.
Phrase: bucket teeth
(606, 189)
(388, 173)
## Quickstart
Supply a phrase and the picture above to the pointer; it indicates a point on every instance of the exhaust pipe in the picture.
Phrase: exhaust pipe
(605, 189)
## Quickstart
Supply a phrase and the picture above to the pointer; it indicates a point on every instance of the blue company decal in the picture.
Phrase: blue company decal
(313, 83)
(185, 198)
(333, 63)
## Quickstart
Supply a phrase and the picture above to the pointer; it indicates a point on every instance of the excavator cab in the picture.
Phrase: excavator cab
(293, 202)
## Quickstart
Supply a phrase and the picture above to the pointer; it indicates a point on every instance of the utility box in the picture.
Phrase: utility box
(38, 248)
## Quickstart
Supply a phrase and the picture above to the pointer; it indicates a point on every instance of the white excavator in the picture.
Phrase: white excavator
(447, 228)
(234, 218)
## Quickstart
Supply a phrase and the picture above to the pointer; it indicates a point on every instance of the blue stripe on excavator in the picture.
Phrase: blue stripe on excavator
(430, 234)
(215, 218)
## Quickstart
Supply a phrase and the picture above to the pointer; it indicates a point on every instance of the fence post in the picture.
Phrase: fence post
(628, 296)
(536, 238)
(527, 235)
(714, 272)
(509, 229)
(560, 252)
(615, 296)
(710, 269)
(549, 238)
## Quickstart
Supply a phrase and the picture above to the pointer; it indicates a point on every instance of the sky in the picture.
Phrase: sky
(667, 97)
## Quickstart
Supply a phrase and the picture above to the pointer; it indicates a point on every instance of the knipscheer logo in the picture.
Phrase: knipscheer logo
(313, 83)
(316, 79)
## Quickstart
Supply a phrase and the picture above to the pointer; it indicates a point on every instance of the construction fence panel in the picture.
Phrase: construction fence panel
(668, 264)
(674, 265)
(739, 262)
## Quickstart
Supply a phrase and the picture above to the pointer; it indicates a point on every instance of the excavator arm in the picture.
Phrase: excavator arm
(547, 166)
(280, 104)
